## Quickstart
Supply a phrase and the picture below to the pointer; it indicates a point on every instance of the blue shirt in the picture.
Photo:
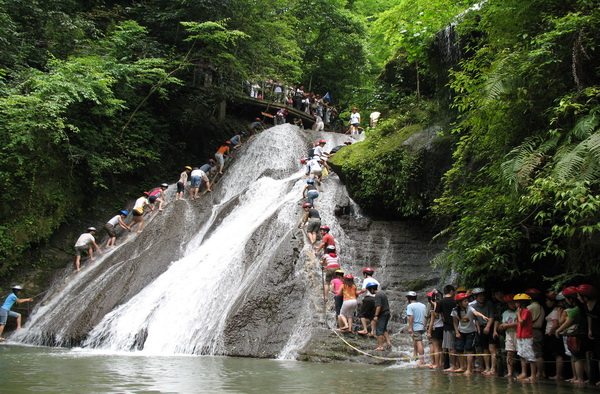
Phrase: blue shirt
(418, 310)
(9, 302)
(235, 140)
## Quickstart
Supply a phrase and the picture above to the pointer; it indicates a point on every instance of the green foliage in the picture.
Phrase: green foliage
(521, 200)
(63, 138)
(387, 176)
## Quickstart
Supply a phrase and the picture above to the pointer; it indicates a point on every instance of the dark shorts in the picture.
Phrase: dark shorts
(180, 187)
(538, 339)
(367, 308)
(136, 213)
(79, 249)
(313, 225)
(381, 325)
(338, 300)
(438, 333)
(485, 340)
(554, 346)
(153, 198)
(110, 230)
(466, 342)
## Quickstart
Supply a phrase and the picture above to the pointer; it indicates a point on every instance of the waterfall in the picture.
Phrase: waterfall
(185, 309)
(229, 273)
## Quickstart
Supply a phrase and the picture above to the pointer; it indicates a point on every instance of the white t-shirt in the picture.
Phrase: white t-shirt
(140, 203)
(466, 323)
(85, 240)
(114, 221)
(318, 152)
(366, 281)
(355, 118)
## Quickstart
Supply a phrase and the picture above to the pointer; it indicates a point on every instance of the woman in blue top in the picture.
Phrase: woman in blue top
(5, 311)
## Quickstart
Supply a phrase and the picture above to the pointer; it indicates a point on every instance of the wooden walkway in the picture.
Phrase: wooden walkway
(271, 108)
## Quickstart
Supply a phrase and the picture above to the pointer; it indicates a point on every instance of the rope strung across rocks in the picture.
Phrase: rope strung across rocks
(369, 354)
(364, 353)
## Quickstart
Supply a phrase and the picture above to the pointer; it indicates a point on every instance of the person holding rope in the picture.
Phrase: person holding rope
(5, 311)
(329, 264)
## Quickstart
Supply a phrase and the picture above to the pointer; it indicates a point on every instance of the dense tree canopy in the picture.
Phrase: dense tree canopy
(94, 93)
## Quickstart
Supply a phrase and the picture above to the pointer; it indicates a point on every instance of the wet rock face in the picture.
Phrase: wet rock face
(80, 301)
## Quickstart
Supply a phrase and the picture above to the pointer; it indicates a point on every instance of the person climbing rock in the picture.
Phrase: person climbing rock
(5, 311)
(236, 140)
(158, 195)
(336, 284)
(220, 156)
(337, 148)
(85, 242)
(111, 227)
(326, 239)
(209, 168)
(319, 150)
(312, 220)
(310, 191)
(367, 307)
(314, 169)
(183, 177)
(139, 208)
(382, 316)
(196, 178)
(256, 126)
(329, 264)
(349, 293)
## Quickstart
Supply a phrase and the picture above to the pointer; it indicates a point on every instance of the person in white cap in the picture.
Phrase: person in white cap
(85, 242)
(5, 311)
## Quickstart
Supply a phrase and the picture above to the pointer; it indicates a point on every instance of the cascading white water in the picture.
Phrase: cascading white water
(185, 309)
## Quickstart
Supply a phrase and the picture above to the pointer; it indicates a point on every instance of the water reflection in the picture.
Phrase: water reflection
(78, 371)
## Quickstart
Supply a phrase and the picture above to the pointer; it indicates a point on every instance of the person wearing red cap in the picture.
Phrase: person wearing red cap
(354, 121)
(326, 239)
(367, 307)
(219, 156)
(574, 329)
(349, 293)
(139, 208)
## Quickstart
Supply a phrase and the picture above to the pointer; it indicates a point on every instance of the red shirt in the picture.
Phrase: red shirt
(328, 240)
(525, 328)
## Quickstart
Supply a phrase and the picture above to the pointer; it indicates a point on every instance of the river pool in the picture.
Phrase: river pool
(49, 370)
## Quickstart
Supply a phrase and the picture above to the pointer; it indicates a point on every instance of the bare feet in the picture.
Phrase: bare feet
(2, 339)
(379, 349)
(342, 329)
(460, 370)
(556, 378)
(362, 332)
(468, 373)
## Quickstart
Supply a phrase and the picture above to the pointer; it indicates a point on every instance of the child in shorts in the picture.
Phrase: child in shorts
(509, 326)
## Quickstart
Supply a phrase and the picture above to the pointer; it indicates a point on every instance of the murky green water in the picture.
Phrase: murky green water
(27, 369)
